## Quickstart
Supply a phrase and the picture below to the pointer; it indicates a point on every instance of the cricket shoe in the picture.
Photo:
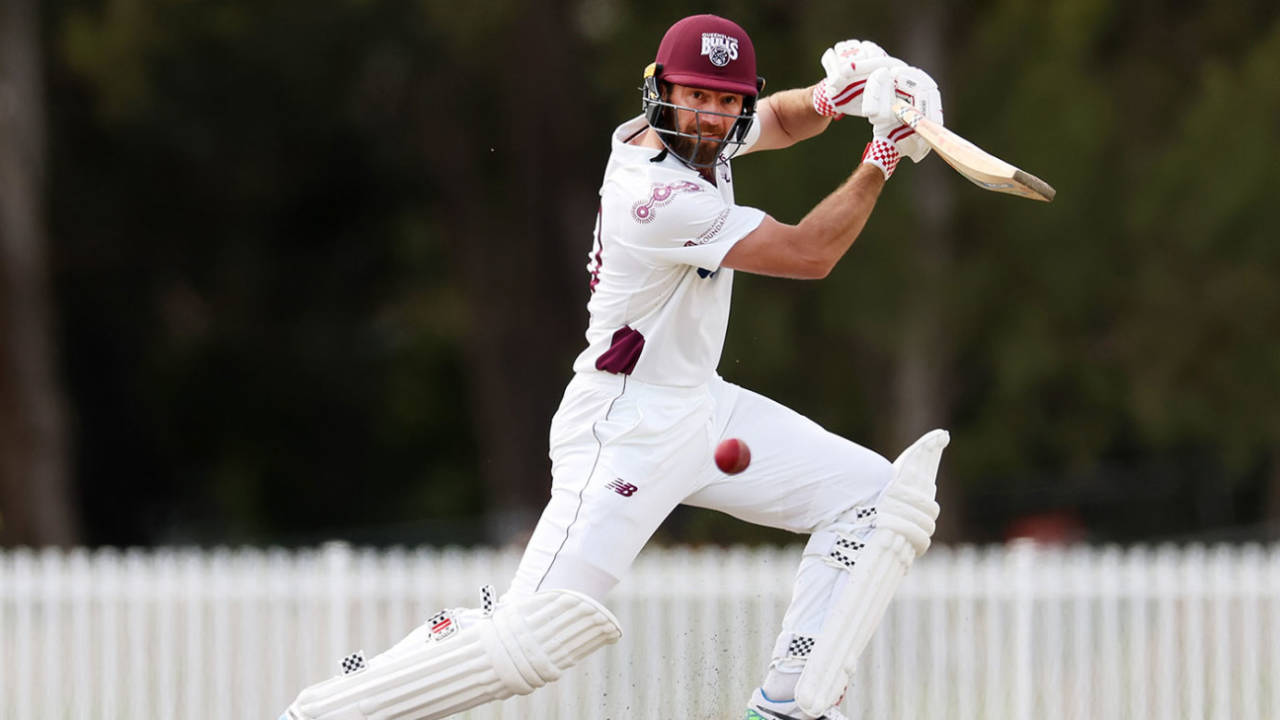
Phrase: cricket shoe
(762, 708)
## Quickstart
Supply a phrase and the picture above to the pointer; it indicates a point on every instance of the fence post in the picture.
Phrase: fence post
(1251, 573)
(1166, 698)
(1110, 645)
(1220, 593)
(1193, 658)
(1051, 670)
(82, 679)
(1022, 563)
(6, 600)
(932, 576)
(165, 656)
(337, 571)
(995, 666)
(1138, 585)
(966, 586)
(1273, 644)
(51, 596)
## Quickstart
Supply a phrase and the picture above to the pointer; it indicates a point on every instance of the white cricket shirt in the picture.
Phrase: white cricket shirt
(660, 300)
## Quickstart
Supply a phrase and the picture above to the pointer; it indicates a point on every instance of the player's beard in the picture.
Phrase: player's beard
(701, 151)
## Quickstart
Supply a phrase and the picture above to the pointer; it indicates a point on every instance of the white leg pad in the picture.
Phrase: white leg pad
(525, 644)
(877, 561)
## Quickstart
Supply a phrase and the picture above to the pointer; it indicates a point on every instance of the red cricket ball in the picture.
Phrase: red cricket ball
(732, 456)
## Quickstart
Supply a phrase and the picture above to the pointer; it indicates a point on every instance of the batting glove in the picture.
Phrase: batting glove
(848, 64)
(911, 85)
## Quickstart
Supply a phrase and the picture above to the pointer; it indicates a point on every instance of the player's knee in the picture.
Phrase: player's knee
(865, 476)
(876, 470)
(892, 507)
(568, 572)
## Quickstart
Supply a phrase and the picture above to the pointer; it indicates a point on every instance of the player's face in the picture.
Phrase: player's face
(709, 117)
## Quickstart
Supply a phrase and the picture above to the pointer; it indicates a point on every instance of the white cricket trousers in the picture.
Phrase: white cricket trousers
(625, 453)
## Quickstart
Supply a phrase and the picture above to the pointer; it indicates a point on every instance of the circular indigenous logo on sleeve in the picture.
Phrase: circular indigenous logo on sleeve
(642, 212)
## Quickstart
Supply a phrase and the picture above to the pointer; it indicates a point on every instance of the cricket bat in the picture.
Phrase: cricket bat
(981, 167)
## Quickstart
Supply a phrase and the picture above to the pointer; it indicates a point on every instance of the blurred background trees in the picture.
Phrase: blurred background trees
(36, 501)
(316, 270)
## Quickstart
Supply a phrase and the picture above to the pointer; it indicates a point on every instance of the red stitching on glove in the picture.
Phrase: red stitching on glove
(901, 132)
(850, 92)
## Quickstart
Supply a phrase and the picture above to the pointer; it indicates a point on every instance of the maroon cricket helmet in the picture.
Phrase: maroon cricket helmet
(711, 52)
(708, 52)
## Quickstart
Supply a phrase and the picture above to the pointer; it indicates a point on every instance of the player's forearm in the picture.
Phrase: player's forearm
(834, 224)
(794, 116)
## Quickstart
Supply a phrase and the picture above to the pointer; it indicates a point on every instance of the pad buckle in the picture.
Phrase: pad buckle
(354, 663)
(487, 600)
(800, 646)
(844, 553)
(442, 626)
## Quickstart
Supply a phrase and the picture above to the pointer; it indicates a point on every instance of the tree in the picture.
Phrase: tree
(518, 200)
(923, 366)
(34, 501)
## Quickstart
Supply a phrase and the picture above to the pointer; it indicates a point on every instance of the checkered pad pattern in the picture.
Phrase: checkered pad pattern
(883, 154)
(846, 550)
(800, 646)
(864, 517)
(354, 663)
(487, 599)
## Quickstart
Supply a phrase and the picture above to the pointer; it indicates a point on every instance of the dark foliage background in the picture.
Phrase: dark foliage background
(317, 269)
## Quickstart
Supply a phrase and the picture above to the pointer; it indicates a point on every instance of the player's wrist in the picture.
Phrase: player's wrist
(822, 101)
(883, 154)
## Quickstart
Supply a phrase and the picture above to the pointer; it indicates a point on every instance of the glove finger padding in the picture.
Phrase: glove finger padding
(911, 85)
(845, 55)
(847, 64)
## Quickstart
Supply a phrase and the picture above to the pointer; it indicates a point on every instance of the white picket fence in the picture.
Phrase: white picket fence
(1020, 632)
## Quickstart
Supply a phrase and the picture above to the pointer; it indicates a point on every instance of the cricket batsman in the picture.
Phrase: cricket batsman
(640, 419)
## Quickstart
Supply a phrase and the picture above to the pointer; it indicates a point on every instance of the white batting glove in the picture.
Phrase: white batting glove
(848, 63)
(912, 85)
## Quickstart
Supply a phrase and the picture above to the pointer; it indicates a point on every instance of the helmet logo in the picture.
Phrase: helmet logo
(719, 48)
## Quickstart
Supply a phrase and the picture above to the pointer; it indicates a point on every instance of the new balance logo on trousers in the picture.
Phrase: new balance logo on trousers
(625, 489)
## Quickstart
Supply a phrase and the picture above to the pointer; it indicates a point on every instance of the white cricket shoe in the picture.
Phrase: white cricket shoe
(762, 708)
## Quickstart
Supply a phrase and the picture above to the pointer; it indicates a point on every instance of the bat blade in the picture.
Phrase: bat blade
(981, 167)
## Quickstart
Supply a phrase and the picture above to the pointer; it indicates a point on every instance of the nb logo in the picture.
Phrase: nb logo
(624, 489)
